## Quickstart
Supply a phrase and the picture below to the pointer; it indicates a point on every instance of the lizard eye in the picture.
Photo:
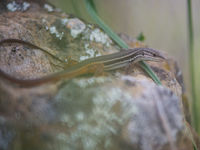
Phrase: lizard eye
(143, 53)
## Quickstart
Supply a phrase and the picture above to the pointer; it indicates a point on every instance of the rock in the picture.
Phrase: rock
(119, 110)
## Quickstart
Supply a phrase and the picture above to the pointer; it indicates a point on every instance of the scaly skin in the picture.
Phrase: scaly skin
(106, 63)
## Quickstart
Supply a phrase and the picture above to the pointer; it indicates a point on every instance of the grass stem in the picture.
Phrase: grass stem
(192, 66)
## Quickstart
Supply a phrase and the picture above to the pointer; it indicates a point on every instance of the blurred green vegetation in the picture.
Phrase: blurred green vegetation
(164, 24)
(197, 85)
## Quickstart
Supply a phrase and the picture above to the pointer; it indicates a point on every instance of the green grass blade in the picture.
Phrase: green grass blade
(105, 27)
(150, 72)
(89, 5)
(195, 112)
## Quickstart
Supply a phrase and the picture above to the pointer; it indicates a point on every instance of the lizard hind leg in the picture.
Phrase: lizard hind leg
(97, 69)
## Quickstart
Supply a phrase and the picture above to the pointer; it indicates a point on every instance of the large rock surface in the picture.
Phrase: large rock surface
(119, 110)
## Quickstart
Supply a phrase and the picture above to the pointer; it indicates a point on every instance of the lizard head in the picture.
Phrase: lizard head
(149, 54)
